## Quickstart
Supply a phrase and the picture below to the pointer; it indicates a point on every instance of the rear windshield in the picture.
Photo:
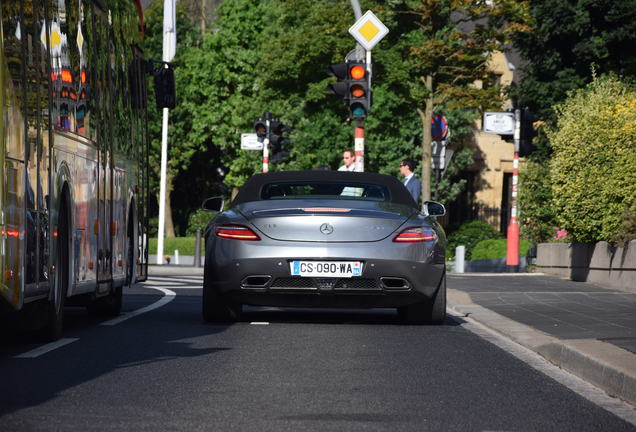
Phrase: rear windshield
(325, 190)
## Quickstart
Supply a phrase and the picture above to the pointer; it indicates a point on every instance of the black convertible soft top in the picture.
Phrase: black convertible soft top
(251, 191)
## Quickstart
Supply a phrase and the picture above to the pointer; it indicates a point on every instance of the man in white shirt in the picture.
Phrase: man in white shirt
(349, 158)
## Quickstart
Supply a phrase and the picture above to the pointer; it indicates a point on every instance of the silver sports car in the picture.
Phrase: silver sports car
(324, 239)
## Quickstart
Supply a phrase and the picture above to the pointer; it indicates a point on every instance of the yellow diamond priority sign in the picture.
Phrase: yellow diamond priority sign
(368, 30)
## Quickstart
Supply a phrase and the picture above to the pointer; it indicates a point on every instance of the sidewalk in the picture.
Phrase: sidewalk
(581, 327)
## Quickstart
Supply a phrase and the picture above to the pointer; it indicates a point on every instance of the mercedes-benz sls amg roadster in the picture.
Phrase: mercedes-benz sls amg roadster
(326, 239)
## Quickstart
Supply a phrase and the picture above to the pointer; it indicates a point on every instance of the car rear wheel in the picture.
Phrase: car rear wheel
(217, 309)
(429, 311)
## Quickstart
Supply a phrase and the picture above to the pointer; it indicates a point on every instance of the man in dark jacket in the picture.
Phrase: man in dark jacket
(412, 183)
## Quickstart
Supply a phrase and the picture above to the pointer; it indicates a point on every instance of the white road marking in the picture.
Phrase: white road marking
(37, 352)
(167, 298)
(531, 358)
(259, 323)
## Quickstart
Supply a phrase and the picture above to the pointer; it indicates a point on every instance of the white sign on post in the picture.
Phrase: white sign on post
(501, 123)
(368, 30)
(249, 141)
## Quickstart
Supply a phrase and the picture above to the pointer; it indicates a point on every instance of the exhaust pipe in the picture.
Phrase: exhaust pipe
(395, 284)
(256, 281)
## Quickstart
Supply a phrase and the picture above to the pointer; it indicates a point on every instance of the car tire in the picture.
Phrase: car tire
(431, 311)
(216, 309)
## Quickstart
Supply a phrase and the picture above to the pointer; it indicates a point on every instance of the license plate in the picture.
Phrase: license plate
(326, 268)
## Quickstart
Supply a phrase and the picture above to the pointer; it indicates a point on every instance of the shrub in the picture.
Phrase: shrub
(185, 245)
(627, 229)
(198, 220)
(594, 155)
(469, 234)
(537, 215)
(497, 248)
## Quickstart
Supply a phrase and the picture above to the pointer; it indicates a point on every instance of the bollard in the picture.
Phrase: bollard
(176, 257)
(197, 249)
(459, 259)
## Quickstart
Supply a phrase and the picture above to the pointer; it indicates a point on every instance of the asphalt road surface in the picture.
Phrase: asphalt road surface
(159, 367)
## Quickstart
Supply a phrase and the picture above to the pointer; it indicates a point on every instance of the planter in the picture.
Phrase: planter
(599, 262)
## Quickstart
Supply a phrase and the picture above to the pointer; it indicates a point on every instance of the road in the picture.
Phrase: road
(291, 370)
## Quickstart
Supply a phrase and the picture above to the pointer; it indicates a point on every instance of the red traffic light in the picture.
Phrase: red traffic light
(357, 72)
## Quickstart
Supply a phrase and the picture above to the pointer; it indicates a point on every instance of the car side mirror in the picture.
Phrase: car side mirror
(433, 208)
(214, 204)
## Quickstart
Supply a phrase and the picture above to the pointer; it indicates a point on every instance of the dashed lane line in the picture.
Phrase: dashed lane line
(43, 349)
(37, 352)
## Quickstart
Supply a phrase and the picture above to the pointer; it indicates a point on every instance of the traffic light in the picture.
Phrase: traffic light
(527, 132)
(341, 87)
(165, 95)
(260, 127)
(273, 130)
(359, 92)
(277, 141)
(352, 86)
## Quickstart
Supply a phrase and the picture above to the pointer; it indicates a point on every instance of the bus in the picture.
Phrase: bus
(73, 158)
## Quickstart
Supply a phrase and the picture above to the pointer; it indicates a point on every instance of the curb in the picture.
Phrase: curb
(604, 365)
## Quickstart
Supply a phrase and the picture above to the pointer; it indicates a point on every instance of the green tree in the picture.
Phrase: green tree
(443, 55)
(568, 37)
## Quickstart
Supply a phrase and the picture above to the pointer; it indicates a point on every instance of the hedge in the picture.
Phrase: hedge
(593, 167)
(497, 248)
(469, 234)
(185, 245)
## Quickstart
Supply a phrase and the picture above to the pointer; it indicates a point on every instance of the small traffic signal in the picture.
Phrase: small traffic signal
(341, 87)
(260, 127)
(527, 132)
(276, 139)
(359, 91)
(165, 95)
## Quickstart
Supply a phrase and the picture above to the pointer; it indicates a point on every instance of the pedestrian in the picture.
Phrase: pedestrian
(349, 159)
(412, 183)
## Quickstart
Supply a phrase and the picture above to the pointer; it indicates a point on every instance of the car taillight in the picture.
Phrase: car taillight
(236, 232)
(416, 235)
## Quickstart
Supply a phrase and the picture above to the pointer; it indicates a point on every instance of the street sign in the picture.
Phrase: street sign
(249, 141)
(368, 30)
(501, 123)
(440, 156)
(439, 127)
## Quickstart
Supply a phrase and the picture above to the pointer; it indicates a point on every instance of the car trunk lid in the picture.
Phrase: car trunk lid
(326, 222)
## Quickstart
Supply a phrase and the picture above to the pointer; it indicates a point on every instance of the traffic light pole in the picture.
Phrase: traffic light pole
(359, 146)
(512, 252)
(266, 144)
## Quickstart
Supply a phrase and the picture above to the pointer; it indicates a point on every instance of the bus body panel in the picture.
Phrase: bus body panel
(68, 121)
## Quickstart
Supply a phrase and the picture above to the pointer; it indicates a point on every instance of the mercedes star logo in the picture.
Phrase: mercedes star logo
(326, 229)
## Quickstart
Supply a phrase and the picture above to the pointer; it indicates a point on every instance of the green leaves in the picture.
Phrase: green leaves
(592, 167)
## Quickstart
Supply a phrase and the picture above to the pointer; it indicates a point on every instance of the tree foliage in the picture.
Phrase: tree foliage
(445, 46)
(592, 169)
(567, 37)
(271, 56)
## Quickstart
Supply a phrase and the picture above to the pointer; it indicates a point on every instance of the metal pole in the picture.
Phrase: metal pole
(268, 118)
(197, 248)
(359, 147)
(162, 185)
(512, 250)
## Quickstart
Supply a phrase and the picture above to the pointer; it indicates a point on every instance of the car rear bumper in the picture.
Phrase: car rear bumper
(268, 282)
